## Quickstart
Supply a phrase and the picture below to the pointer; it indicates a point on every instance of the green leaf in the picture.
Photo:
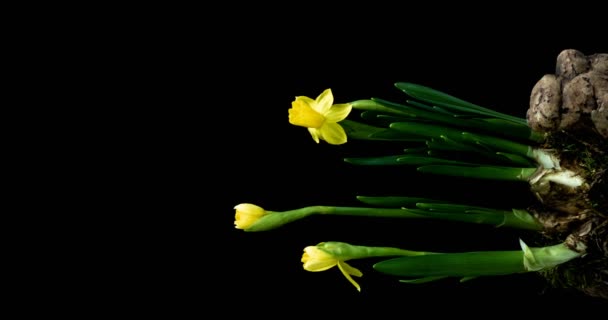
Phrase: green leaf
(481, 172)
(442, 99)
(466, 279)
(422, 280)
(497, 144)
(447, 144)
(427, 108)
(468, 264)
(376, 161)
(421, 150)
(425, 160)
(450, 207)
(511, 129)
(384, 120)
(393, 201)
(371, 105)
(420, 113)
(428, 130)
(431, 95)
(479, 218)
(361, 131)
(517, 159)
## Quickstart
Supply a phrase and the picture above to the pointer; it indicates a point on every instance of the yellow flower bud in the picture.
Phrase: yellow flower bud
(316, 259)
(247, 214)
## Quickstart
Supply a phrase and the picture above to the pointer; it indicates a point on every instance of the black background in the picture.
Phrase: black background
(249, 153)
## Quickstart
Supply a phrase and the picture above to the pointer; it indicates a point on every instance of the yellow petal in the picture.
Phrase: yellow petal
(351, 270)
(243, 221)
(319, 265)
(338, 112)
(333, 133)
(342, 266)
(307, 100)
(302, 114)
(314, 133)
(324, 102)
(250, 209)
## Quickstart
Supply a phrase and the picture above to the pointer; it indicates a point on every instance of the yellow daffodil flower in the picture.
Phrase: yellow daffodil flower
(320, 116)
(247, 214)
(316, 259)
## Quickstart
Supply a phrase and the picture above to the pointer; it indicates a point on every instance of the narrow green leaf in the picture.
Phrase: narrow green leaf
(422, 280)
(449, 207)
(468, 264)
(427, 108)
(376, 161)
(384, 120)
(428, 94)
(442, 99)
(428, 130)
(517, 159)
(393, 201)
(481, 172)
(445, 143)
(424, 160)
(511, 129)
(361, 131)
(431, 115)
(478, 218)
(497, 144)
(466, 279)
(421, 150)
(481, 152)
(371, 105)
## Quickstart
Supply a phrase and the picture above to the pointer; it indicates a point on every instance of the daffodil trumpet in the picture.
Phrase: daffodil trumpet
(514, 218)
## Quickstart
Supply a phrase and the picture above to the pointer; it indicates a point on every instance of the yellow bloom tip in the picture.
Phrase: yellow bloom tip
(316, 259)
(247, 214)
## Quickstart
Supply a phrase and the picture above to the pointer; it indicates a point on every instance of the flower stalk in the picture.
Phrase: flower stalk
(519, 219)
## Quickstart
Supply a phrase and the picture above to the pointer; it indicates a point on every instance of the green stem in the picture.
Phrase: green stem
(274, 220)
(365, 212)
(481, 172)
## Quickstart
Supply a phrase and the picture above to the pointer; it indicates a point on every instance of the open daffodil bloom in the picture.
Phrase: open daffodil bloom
(316, 259)
(320, 116)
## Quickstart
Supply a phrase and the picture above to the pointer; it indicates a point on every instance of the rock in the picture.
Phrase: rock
(578, 97)
(545, 101)
(571, 63)
(599, 82)
(599, 63)
(600, 116)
